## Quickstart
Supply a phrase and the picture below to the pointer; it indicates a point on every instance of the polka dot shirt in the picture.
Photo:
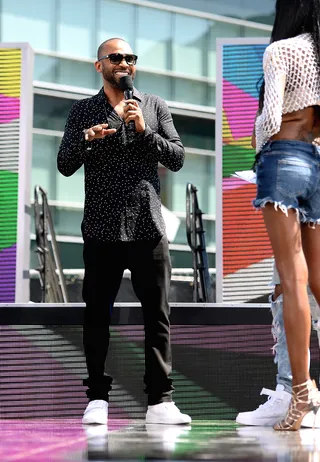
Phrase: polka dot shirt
(122, 187)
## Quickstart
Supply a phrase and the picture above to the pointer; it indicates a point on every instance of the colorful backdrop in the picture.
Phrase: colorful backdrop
(245, 263)
(14, 163)
(10, 88)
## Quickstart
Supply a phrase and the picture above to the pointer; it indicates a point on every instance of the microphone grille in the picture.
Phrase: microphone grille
(126, 82)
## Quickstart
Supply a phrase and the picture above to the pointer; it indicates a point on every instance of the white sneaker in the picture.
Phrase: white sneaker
(96, 412)
(166, 413)
(269, 413)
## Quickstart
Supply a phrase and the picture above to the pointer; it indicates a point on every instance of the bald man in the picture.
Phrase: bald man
(122, 226)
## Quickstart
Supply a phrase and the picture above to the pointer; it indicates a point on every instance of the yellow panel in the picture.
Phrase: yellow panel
(10, 71)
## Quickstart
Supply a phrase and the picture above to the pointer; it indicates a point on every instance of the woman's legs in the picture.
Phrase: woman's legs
(311, 249)
(285, 236)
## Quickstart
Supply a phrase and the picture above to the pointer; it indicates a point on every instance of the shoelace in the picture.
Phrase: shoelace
(274, 397)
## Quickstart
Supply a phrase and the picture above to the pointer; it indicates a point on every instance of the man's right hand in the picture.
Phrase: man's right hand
(98, 132)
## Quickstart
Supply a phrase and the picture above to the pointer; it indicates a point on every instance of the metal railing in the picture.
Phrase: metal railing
(202, 289)
(53, 287)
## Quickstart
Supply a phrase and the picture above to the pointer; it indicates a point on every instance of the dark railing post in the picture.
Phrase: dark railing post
(53, 286)
(202, 290)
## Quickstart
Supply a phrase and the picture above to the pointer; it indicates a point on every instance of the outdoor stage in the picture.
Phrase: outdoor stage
(222, 357)
(62, 440)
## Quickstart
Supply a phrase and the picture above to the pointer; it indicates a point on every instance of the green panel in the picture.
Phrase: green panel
(8, 208)
(236, 158)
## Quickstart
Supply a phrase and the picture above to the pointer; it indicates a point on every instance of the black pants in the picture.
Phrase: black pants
(150, 266)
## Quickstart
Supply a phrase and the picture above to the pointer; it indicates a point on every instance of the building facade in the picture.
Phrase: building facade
(176, 45)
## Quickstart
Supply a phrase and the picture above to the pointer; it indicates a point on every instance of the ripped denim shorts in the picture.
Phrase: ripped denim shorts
(288, 175)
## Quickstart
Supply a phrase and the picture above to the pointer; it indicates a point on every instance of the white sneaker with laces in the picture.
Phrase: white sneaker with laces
(166, 413)
(96, 412)
(269, 413)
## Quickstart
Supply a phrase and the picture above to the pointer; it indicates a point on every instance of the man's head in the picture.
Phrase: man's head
(114, 60)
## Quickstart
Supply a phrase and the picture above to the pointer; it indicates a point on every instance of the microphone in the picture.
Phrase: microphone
(126, 85)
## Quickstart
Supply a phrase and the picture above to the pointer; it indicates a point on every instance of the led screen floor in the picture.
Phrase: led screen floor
(66, 440)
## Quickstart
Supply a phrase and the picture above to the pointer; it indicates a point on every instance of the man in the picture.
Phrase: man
(122, 225)
(276, 407)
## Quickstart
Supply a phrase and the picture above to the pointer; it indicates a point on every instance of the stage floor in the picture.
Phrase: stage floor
(60, 440)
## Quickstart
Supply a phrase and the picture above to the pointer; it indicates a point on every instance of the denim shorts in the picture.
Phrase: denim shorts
(288, 176)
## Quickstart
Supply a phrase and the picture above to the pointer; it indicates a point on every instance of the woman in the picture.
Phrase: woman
(288, 180)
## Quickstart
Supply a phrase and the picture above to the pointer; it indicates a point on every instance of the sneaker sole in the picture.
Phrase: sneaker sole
(94, 422)
(260, 422)
(158, 422)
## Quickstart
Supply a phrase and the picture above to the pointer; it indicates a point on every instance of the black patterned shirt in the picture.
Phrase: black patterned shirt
(122, 187)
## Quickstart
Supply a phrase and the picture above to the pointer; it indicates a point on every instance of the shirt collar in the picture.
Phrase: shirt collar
(136, 94)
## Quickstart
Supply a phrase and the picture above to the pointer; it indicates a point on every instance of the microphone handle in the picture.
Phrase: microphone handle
(128, 94)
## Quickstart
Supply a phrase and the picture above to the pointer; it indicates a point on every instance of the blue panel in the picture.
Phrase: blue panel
(239, 61)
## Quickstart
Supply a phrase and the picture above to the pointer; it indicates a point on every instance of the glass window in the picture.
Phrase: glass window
(77, 74)
(46, 174)
(181, 236)
(195, 132)
(66, 72)
(75, 28)
(190, 45)
(251, 32)
(153, 44)
(29, 21)
(116, 19)
(70, 255)
(176, 89)
(219, 29)
(198, 170)
(45, 68)
(50, 112)
(44, 164)
(190, 91)
(210, 229)
(244, 9)
(67, 222)
(71, 188)
(153, 83)
(183, 259)
(211, 92)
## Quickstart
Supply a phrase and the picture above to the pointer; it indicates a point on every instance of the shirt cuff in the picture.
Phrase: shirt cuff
(148, 131)
(84, 145)
(143, 136)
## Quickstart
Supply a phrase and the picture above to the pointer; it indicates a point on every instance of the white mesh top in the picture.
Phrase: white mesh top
(292, 82)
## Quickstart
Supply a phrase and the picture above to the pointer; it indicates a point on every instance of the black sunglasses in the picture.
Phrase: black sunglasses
(117, 58)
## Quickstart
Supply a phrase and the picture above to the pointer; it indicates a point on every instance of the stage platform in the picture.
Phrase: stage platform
(222, 357)
(131, 314)
(66, 440)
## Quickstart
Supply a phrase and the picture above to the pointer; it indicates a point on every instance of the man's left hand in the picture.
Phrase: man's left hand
(133, 112)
